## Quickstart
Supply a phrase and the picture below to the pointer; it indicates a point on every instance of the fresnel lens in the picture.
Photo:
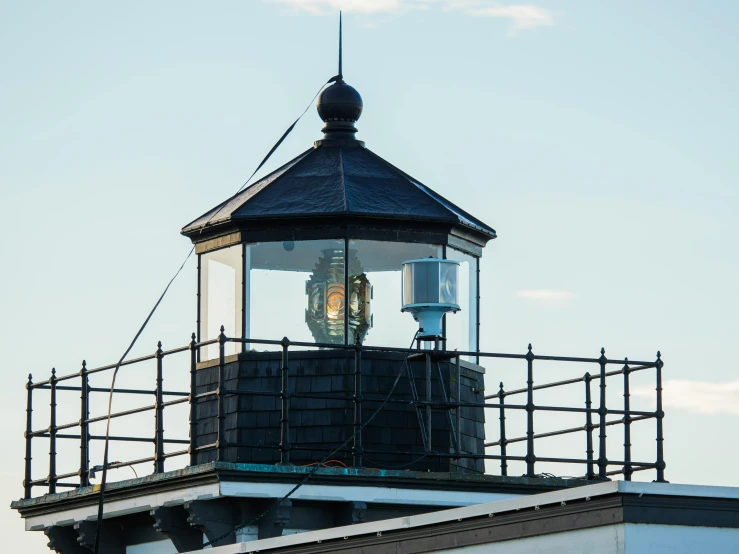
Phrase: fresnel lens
(327, 299)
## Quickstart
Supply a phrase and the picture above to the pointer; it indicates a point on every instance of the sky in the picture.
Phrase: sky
(598, 139)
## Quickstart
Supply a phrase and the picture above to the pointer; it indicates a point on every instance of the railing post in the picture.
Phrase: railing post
(159, 415)
(530, 456)
(660, 416)
(428, 399)
(589, 472)
(193, 400)
(458, 368)
(357, 449)
(84, 471)
(628, 470)
(28, 436)
(503, 442)
(221, 436)
(52, 433)
(602, 413)
(285, 408)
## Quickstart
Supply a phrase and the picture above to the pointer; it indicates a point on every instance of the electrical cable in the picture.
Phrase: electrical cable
(161, 297)
(312, 472)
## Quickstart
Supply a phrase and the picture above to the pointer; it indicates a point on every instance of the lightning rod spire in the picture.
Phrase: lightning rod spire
(341, 74)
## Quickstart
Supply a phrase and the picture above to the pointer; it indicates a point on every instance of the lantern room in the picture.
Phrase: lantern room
(315, 250)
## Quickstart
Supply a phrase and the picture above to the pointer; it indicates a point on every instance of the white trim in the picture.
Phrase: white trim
(347, 493)
(116, 508)
(340, 493)
(579, 493)
(675, 489)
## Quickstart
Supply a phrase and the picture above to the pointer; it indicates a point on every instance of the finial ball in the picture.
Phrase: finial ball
(339, 102)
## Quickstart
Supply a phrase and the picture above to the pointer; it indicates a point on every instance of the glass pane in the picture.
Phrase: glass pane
(221, 298)
(295, 289)
(448, 283)
(378, 266)
(425, 283)
(461, 328)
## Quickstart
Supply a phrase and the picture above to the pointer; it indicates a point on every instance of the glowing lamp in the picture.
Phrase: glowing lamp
(327, 304)
(430, 291)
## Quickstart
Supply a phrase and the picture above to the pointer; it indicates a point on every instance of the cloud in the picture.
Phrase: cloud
(545, 295)
(701, 397)
(322, 7)
(520, 16)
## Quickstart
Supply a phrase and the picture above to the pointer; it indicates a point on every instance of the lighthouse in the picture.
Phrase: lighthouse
(339, 398)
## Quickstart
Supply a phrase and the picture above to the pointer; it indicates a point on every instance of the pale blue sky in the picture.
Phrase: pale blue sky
(598, 139)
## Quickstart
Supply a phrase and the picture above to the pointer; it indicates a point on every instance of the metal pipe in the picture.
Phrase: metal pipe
(660, 416)
(28, 436)
(192, 399)
(454, 431)
(357, 448)
(428, 399)
(52, 434)
(530, 456)
(159, 416)
(503, 441)
(221, 436)
(285, 414)
(414, 393)
(589, 472)
(567, 431)
(627, 424)
(602, 413)
(84, 472)
(458, 369)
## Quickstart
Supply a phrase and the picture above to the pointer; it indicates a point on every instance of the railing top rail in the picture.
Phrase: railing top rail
(635, 365)
(442, 352)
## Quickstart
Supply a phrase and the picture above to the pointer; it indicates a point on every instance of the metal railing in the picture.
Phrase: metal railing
(424, 408)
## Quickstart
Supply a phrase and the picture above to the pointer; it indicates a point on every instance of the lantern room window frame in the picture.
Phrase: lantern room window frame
(450, 247)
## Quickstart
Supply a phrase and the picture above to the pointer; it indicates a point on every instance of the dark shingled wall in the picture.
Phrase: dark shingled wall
(318, 425)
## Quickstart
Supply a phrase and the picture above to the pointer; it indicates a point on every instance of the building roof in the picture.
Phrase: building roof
(339, 178)
(543, 514)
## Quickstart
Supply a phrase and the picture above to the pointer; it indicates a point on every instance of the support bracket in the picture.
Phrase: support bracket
(172, 522)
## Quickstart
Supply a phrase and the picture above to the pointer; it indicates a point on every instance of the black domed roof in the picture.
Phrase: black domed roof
(343, 183)
(339, 102)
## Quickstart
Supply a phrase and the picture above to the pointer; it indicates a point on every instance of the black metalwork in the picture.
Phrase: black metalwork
(458, 409)
(357, 448)
(530, 456)
(602, 413)
(28, 435)
(425, 406)
(221, 436)
(503, 441)
(589, 472)
(159, 415)
(428, 399)
(628, 470)
(191, 397)
(84, 471)
(453, 429)
(660, 416)
(52, 433)
(285, 407)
